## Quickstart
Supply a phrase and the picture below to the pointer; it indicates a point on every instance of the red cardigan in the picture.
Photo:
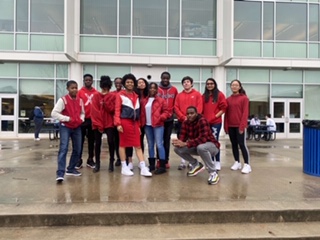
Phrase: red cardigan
(102, 110)
(159, 112)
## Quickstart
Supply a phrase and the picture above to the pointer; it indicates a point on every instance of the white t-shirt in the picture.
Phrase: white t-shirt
(149, 111)
(272, 125)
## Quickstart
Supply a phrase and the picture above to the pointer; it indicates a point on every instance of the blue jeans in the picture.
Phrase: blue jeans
(65, 134)
(216, 132)
(155, 136)
(37, 126)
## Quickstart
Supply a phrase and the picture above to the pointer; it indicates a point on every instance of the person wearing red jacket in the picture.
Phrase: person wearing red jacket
(169, 94)
(154, 111)
(86, 94)
(214, 106)
(235, 124)
(126, 118)
(102, 112)
(188, 97)
(69, 111)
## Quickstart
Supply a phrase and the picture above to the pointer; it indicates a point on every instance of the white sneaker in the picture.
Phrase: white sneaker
(236, 166)
(218, 166)
(130, 165)
(126, 171)
(246, 168)
(37, 139)
(145, 172)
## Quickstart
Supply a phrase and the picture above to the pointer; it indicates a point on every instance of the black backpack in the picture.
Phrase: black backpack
(31, 115)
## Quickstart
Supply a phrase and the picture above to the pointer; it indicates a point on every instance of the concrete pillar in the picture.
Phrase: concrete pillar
(76, 73)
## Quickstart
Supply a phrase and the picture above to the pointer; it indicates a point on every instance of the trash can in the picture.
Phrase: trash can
(311, 147)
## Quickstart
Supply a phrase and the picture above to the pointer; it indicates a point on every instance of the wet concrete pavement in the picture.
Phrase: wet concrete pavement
(277, 183)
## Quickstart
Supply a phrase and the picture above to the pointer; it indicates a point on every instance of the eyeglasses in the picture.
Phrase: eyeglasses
(210, 83)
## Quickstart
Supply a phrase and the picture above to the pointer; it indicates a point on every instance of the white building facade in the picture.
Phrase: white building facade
(271, 46)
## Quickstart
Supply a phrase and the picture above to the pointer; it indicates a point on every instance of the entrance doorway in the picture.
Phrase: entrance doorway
(287, 114)
(8, 119)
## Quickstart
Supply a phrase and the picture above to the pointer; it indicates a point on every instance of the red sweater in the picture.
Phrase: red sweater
(185, 100)
(102, 110)
(72, 109)
(86, 95)
(169, 94)
(159, 112)
(210, 108)
(237, 112)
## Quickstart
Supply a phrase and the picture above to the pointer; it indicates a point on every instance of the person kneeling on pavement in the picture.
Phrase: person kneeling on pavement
(196, 138)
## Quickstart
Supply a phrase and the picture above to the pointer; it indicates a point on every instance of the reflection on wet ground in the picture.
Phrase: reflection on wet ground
(28, 176)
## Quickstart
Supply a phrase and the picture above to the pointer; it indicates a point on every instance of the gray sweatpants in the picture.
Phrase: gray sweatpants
(205, 151)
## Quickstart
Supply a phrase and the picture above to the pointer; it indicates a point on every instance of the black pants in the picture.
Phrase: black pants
(86, 131)
(98, 141)
(142, 138)
(238, 139)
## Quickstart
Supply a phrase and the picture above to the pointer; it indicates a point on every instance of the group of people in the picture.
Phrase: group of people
(138, 108)
(255, 123)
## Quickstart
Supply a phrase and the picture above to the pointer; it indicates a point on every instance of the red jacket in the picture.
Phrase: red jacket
(102, 110)
(86, 95)
(72, 109)
(210, 108)
(159, 112)
(185, 100)
(237, 112)
(169, 94)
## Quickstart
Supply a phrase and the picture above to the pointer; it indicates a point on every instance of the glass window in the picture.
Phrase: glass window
(8, 85)
(174, 18)
(22, 16)
(8, 70)
(62, 70)
(6, 41)
(150, 18)
(98, 44)
(291, 50)
(98, 17)
(113, 71)
(312, 96)
(33, 92)
(47, 16)
(251, 49)
(90, 68)
(6, 15)
(268, 18)
(177, 73)
(125, 17)
(36, 70)
(247, 20)
(198, 19)
(254, 75)
(286, 91)
(314, 22)
(291, 21)
(61, 88)
(198, 47)
(312, 76)
(47, 43)
(149, 46)
(289, 76)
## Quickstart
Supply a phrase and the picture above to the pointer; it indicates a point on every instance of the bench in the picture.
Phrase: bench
(51, 129)
(267, 135)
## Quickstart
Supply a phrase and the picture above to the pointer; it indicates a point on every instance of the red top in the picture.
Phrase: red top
(72, 108)
(159, 112)
(237, 112)
(185, 100)
(102, 110)
(169, 95)
(86, 95)
(210, 108)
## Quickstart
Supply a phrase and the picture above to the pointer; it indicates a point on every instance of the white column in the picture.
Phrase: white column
(76, 73)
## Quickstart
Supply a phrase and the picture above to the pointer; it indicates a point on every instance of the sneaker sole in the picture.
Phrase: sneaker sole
(90, 166)
(246, 172)
(59, 179)
(73, 174)
(77, 168)
(197, 172)
(215, 182)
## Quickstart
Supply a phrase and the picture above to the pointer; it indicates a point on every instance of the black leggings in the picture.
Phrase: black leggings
(239, 139)
(98, 141)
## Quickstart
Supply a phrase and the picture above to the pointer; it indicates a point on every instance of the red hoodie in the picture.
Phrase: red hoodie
(237, 112)
(102, 110)
(185, 100)
(169, 94)
(210, 108)
(86, 95)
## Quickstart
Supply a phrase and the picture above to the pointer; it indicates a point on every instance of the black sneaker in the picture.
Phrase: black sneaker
(196, 169)
(78, 165)
(90, 163)
(73, 173)
(118, 163)
(59, 179)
